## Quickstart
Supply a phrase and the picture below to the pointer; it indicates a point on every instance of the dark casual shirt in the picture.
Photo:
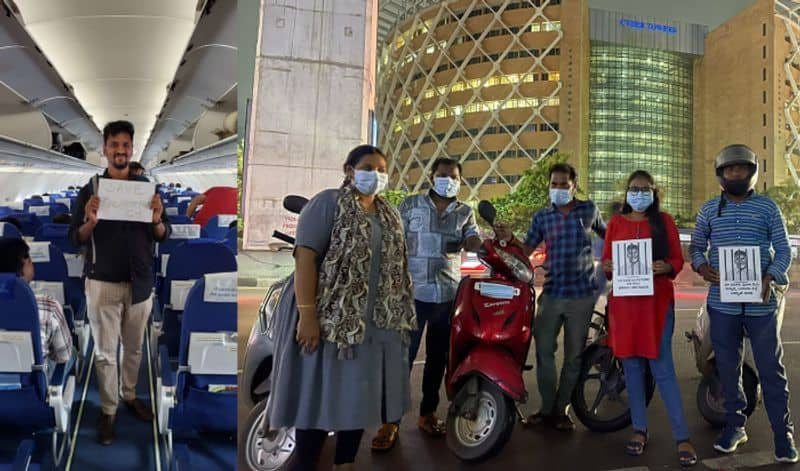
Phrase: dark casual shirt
(118, 251)
(568, 237)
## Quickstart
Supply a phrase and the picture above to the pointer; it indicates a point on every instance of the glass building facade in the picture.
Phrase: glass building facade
(640, 118)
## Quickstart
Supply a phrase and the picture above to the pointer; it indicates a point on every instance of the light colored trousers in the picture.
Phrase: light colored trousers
(113, 318)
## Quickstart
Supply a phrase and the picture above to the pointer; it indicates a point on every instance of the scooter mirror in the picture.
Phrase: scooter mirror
(294, 203)
(487, 211)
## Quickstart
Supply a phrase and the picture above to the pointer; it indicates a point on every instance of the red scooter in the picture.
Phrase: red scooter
(490, 334)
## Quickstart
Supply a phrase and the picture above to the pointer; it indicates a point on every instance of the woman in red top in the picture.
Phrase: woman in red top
(640, 327)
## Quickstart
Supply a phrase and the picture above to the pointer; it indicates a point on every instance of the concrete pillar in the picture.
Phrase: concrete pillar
(313, 90)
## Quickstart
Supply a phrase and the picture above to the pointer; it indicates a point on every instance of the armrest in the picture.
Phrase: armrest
(167, 375)
(59, 375)
(23, 457)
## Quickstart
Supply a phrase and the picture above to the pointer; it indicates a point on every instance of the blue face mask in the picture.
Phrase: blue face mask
(370, 182)
(560, 197)
(640, 200)
(446, 187)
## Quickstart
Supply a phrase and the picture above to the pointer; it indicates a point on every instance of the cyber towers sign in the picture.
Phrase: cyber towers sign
(655, 27)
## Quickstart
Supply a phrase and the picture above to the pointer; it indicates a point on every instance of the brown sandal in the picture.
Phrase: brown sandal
(386, 437)
(431, 425)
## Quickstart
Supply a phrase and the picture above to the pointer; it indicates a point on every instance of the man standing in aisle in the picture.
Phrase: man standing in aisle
(119, 280)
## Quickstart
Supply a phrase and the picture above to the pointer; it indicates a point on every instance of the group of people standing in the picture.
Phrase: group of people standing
(369, 278)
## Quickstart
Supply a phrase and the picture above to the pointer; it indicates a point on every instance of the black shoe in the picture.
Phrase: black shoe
(538, 419)
(105, 429)
(139, 409)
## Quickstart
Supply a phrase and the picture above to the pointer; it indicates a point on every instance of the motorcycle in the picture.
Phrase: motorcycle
(490, 335)
(710, 400)
(599, 400)
(260, 448)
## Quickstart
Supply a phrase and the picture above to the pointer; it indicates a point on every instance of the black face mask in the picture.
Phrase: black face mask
(736, 187)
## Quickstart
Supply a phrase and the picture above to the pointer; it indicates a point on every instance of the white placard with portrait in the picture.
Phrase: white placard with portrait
(66, 202)
(633, 267)
(123, 200)
(740, 274)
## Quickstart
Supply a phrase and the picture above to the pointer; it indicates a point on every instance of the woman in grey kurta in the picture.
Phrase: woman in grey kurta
(340, 386)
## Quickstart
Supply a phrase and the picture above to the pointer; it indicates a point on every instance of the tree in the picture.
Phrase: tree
(396, 196)
(787, 197)
(533, 193)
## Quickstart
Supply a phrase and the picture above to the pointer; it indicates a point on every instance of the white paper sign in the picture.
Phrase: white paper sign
(53, 288)
(185, 231)
(212, 353)
(171, 210)
(164, 261)
(225, 220)
(220, 287)
(40, 251)
(74, 264)
(181, 199)
(65, 201)
(16, 351)
(633, 267)
(122, 200)
(179, 292)
(41, 211)
(740, 274)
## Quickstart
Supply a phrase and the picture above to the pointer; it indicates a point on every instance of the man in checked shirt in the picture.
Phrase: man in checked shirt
(55, 335)
(568, 296)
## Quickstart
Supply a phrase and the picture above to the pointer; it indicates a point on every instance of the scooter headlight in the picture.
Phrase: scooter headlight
(517, 266)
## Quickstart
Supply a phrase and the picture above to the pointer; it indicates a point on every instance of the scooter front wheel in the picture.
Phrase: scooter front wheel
(600, 398)
(710, 401)
(259, 452)
(485, 435)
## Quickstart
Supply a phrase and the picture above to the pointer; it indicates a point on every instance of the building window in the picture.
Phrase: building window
(554, 52)
(763, 29)
(764, 119)
(764, 74)
(764, 96)
(765, 187)
(765, 142)
(765, 165)
(764, 52)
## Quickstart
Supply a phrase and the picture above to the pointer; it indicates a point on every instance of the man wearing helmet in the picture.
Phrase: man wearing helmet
(741, 217)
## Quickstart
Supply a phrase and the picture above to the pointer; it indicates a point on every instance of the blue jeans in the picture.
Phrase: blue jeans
(727, 333)
(663, 371)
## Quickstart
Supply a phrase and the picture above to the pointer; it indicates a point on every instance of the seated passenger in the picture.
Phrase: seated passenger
(56, 338)
(13, 221)
(136, 169)
(62, 218)
(216, 200)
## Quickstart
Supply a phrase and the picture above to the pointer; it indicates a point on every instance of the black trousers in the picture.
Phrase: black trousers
(309, 444)
(437, 343)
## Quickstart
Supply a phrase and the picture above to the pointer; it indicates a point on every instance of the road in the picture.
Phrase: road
(581, 449)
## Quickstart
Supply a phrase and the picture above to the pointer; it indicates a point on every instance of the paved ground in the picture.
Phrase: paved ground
(582, 449)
